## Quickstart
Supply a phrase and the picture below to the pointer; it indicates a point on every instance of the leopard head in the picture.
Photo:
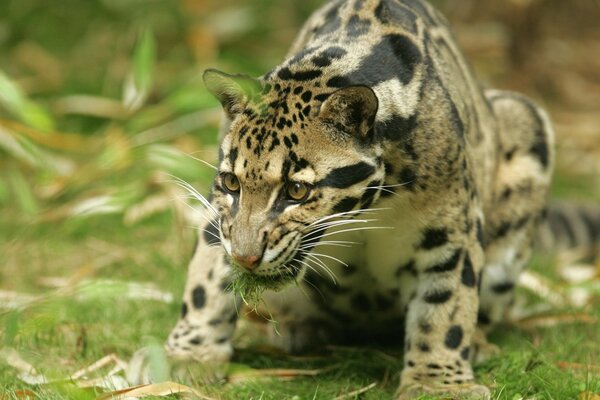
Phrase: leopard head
(293, 160)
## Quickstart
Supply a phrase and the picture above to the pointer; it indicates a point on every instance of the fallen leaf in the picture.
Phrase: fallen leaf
(542, 287)
(588, 396)
(356, 392)
(153, 389)
(547, 321)
(565, 365)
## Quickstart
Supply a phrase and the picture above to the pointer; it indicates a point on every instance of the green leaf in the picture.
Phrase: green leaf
(11, 328)
(16, 102)
(141, 76)
(158, 363)
(24, 196)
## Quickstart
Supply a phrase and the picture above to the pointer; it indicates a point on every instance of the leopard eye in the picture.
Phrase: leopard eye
(297, 191)
(231, 182)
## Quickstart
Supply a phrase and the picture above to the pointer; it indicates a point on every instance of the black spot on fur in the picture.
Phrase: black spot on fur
(349, 269)
(393, 12)
(502, 230)
(347, 176)
(338, 82)
(197, 340)
(407, 178)
(424, 347)
(332, 20)
(383, 303)
(346, 204)
(211, 233)
(215, 322)
(480, 237)
(360, 302)
(591, 223)
(425, 327)
(468, 273)
(483, 318)
(322, 97)
(504, 287)
(369, 195)
(184, 310)
(405, 50)
(233, 154)
(434, 237)
(464, 353)
(357, 26)
(328, 56)
(307, 75)
(284, 73)
(232, 318)
(438, 297)
(447, 265)
(540, 148)
(454, 337)
(398, 128)
(408, 267)
(306, 96)
(199, 297)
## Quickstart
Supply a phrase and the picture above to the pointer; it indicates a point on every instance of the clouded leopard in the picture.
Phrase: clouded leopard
(371, 170)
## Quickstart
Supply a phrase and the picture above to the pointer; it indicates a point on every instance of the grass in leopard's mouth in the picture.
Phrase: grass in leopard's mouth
(251, 286)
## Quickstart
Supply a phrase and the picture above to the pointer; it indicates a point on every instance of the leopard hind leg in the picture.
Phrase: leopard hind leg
(512, 218)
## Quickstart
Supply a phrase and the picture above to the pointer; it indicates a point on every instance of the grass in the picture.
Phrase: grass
(88, 206)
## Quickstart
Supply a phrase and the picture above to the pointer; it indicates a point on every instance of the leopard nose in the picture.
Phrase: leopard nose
(248, 262)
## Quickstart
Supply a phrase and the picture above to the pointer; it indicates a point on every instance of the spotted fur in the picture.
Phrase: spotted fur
(374, 108)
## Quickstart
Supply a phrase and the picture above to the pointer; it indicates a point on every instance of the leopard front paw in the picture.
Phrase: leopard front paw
(466, 391)
(203, 342)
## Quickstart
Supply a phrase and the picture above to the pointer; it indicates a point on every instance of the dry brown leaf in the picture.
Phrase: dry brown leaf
(542, 287)
(547, 321)
(19, 394)
(565, 365)
(54, 140)
(588, 396)
(120, 365)
(153, 389)
(356, 392)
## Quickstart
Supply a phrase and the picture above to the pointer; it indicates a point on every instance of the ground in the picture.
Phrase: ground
(88, 207)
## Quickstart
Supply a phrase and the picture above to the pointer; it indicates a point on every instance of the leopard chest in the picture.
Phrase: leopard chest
(365, 273)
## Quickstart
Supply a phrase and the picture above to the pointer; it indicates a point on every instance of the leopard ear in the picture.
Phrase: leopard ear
(351, 109)
(233, 91)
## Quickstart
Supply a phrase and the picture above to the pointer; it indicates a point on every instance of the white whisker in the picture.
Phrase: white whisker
(336, 243)
(345, 213)
(317, 255)
(202, 161)
(323, 266)
(363, 228)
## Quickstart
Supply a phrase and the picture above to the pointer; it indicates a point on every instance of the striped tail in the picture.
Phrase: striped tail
(571, 226)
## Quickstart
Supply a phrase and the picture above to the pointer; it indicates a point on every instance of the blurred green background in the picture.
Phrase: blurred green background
(101, 103)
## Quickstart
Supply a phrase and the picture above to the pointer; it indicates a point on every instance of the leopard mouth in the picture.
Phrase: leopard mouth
(289, 265)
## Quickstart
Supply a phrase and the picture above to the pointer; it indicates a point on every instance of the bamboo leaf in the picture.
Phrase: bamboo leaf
(140, 80)
(16, 102)
(23, 194)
